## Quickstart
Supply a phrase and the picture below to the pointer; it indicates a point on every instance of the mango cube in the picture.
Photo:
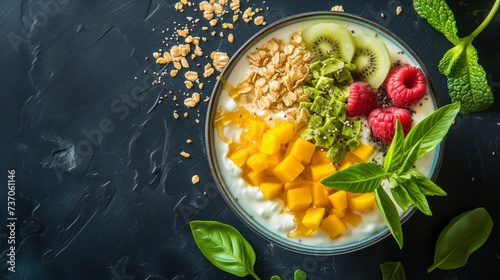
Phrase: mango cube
(255, 178)
(319, 195)
(254, 131)
(351, 157)
(313, 217)
(271, 190)
(270, 144)
(345, 164)
(338, 200)
(258, 162)
(339, 213)
(334, 226)
(352, 218)
(362, 203)
(284, 130)
(273, 160)
(288, 169)
(239, 157)
(299, 199)
(297, 183)
(319, 156)
(303, 150)
(364, 152)
(322, 170)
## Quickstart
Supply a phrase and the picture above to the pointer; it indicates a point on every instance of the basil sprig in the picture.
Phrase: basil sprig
(393, 271)
(408, 186)
(224, 247)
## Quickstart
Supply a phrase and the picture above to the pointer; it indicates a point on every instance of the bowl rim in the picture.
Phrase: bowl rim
(210, 134)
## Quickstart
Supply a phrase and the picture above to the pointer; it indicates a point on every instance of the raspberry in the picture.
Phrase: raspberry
(382, 122)
(405, 85)
(361, 101)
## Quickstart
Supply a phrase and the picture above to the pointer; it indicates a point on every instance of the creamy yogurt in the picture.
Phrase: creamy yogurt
(271, 217)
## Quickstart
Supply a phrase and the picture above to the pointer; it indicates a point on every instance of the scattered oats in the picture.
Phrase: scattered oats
(188, 84)
(235, 18)
(191, 76)
(195, 179)
(201, 85)
(156, 55)
(176, 115)
(184, 62)
(259, 20)
(204, 28)
(185, 114)
(177, 65)
(209, 71)
(398, 10)
(230, 38)
(174, 98)
(189, 141)
(247, 15)
(382, 15)
(337, 8)
(186, 155)
(221, 34)
(196, 97)
(213, 22)
(220, 59)
(197, 121)
(178, 6)
(206, 99)
(173, 72)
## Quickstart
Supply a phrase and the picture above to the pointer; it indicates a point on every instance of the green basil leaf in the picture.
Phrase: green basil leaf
(426, 186)
(363, 177)
(394, 155)
(401, 197)
(390, 215)
(275, 277)
(460, 238)
(393, 271)
(411, 157)
(417, 198)
(225, 247)
(440, 16)
(429, 132)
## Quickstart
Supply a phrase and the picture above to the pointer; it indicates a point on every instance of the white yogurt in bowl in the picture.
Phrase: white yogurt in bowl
(269, 218)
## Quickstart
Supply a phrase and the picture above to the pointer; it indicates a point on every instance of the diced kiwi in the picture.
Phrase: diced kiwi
(325, 40)
(372, 60)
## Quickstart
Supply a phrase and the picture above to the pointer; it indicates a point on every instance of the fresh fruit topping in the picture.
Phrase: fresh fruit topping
(326, 40)
(372, 60)
(405, 85)
(382, 122)
(361, 101)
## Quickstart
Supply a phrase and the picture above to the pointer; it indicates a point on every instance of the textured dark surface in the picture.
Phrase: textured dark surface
(101, 190)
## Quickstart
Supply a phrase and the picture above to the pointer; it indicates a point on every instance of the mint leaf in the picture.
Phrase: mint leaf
(440, 16)
(467, 83)
(429, 132)
(452, 56)
(390, 215)
(360, 178)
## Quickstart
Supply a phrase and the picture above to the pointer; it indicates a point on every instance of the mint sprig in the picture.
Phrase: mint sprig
(408, 187)
(466, 78)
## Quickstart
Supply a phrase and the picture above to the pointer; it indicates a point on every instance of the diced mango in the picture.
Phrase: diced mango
(284, 130)
(258, 162)
(319, 156)
(299, 199)
(362, 203)
(273, 160)
(239, 157)
(364, 152)
(352, 218)
(338, 200)
(351, 157)
(297, 183)
(271, 190)
(339, 213)
(334, 226)
(254, 131)
(270, 144)
(322, 170)
(303, 150)
(288, 169)
(345, 164)
(313, 217)
(255, 178)
(319, 195)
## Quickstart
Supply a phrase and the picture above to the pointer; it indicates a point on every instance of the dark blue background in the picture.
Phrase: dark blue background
(102, 192)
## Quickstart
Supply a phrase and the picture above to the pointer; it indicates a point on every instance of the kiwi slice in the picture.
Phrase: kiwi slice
(325, 40)
(372, 60)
